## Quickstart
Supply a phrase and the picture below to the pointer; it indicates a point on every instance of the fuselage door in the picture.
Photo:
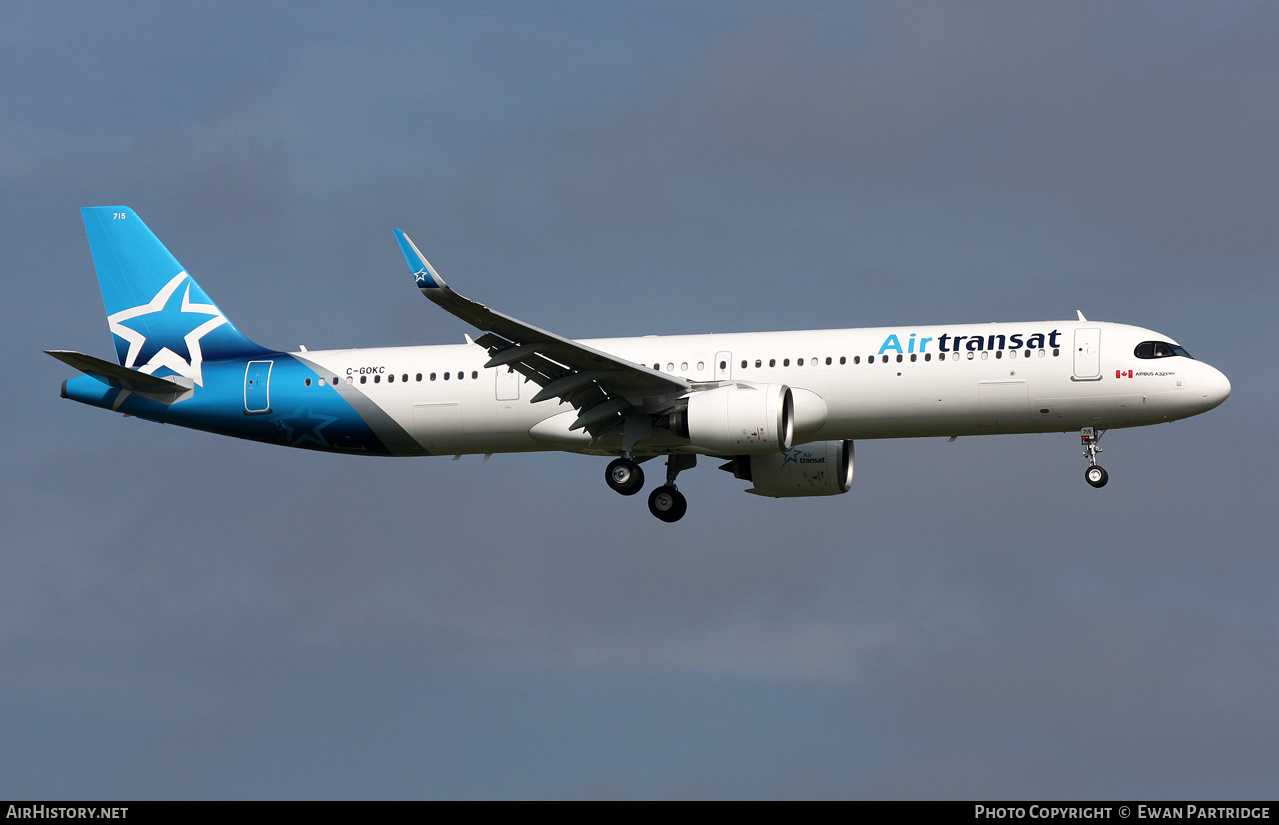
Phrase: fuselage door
(723, 366)
(1087, 354)
(257, 387)
(508, 384)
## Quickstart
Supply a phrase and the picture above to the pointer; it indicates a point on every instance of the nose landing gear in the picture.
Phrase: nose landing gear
(1095, 475)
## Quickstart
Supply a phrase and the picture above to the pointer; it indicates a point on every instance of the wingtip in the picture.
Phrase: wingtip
(423, 272)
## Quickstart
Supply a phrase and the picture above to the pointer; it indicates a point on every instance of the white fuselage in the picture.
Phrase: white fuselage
(890, 382)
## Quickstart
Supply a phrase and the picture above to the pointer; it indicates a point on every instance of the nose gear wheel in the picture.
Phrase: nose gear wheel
(1095, 475)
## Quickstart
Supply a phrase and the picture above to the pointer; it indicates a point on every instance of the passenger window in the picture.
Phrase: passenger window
(377, 379)
(841, 359)
(683, 367)
(899, 357)
(799, 362)
(857, 359)
(785, 362)
(772, 362)
(307, 382)
(758, 363)
(364, 379)
(475, 373)
(670, 367)
(419, 377)
(743, 364)
(390, 379)
(913, 357)
(446, 376)
(828, 360)
(928, 356)
(984, 355)
(999, 353)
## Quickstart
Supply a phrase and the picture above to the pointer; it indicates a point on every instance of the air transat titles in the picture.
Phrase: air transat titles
(973, 343)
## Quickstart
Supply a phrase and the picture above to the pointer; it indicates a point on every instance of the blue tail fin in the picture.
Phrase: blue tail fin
(163, 322)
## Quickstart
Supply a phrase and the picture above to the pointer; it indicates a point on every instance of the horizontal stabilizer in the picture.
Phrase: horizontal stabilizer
(122, 377)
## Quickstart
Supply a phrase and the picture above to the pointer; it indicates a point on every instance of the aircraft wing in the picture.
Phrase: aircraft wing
(602, 387)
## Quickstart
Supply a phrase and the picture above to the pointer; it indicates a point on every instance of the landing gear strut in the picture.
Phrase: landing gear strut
(625, 476)
(1095, 475)
(667, 502)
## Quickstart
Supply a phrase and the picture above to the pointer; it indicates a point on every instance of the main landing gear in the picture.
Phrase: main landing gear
(1095, 475)
(666, 502)
(624, 476)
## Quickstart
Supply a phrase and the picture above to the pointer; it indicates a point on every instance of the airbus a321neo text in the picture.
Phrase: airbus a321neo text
(778, 409)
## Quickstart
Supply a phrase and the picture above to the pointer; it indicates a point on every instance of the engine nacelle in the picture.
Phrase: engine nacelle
(738, 419)
(823, 468)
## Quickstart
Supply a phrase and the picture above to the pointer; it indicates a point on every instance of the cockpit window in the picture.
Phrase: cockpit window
(1159, 349)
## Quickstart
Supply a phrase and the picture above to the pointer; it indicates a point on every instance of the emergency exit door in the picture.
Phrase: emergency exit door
(257, 387)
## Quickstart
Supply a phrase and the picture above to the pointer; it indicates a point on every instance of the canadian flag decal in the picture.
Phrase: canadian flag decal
(1122, 374)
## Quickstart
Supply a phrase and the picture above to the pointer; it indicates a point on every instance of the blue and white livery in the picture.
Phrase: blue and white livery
(779, 409)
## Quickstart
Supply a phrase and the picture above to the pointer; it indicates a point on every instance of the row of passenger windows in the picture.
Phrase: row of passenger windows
(460, 375)
(745, 364)
(870, 359)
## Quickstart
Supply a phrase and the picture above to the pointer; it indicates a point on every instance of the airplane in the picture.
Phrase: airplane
(781, 410)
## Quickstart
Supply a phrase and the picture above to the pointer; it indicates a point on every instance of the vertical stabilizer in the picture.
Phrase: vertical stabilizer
(162, 321)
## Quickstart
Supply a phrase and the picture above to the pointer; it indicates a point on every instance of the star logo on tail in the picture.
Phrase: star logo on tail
(155, 330)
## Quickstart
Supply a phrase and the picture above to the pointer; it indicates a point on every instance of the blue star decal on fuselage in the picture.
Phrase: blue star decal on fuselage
(302, 426)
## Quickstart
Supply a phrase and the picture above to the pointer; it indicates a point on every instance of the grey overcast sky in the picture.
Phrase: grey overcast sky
(183, 615)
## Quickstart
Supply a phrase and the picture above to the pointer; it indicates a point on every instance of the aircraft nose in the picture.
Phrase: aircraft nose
(1216, 387)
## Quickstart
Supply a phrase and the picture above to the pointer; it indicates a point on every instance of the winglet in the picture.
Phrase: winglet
(423, 272)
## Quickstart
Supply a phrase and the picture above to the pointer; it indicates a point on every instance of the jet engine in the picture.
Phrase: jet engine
(823, 468)
(738, 418)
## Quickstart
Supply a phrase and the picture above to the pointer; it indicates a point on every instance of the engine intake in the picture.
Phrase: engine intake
(738, 419)
(823, 468)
